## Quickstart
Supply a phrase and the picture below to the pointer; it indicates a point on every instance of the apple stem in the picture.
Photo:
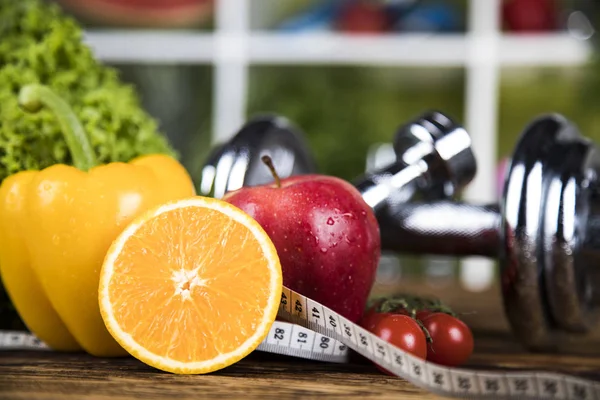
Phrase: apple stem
(269, 163)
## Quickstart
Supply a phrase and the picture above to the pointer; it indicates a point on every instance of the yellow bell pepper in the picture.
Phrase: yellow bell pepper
(57, 224)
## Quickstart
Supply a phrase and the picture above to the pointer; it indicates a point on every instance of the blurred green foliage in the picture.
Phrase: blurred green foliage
(527, 93)
(180, 98)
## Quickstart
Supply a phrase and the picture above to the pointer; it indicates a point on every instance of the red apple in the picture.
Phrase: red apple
(326, 236)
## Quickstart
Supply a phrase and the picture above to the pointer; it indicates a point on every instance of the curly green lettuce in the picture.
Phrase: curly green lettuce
(41, 44)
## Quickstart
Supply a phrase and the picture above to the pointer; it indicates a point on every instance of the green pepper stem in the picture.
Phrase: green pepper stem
(35, 96)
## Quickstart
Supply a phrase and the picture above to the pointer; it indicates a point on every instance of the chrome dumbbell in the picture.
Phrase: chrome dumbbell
(433, 160)
(237, 162)
(545, 232)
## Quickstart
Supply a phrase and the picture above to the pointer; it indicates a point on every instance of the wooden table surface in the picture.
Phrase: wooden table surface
(46, 375)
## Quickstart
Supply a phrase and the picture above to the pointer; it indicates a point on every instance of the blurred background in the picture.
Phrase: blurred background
(357, 70)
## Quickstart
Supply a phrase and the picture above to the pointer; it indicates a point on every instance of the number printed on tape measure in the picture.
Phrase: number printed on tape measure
(347, 329)
(298, 305)
(363, 340)
(398, 361)
(33, 342)
(323, 344)
(340, 349)
(549, 385)
(15, 340)
(315, 313)
(463, 382)
(492, 384)
(439, 378)
(286, 294)
(417, 370)
(302, 338)
(381, 350)
(332, 321)
(280, 334)
(522, 385)
(578, 389)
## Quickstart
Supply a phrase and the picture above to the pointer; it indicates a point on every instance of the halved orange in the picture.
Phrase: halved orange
(191, 287)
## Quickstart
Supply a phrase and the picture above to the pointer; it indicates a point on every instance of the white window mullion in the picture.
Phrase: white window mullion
(230, 81)
(481, 120)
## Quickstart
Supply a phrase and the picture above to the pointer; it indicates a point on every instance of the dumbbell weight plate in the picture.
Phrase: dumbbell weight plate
(566, 212)
(523, 287)
(238, 162)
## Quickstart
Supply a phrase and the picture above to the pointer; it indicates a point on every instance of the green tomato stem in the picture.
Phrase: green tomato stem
(34, 97)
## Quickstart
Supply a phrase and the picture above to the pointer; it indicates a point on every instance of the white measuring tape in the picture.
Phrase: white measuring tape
(317, 332)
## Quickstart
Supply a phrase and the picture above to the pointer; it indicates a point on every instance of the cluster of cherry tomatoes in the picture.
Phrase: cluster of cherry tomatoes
(425, 328)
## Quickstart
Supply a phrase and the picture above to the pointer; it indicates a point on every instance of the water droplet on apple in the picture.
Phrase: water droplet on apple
(330, 221)
(323, 250)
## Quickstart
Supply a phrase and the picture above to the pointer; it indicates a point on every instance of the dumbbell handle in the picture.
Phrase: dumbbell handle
(442, 227)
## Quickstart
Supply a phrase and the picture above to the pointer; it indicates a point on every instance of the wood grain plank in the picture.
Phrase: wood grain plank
(47, 375)
(44, 375)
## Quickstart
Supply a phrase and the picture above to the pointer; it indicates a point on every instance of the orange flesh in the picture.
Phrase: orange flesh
(171, 278)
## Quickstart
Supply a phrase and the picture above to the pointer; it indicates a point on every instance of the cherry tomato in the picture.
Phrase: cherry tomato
(422, 314)
(402, 331)
(371, 318)
(451, 340)
(401, 312)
